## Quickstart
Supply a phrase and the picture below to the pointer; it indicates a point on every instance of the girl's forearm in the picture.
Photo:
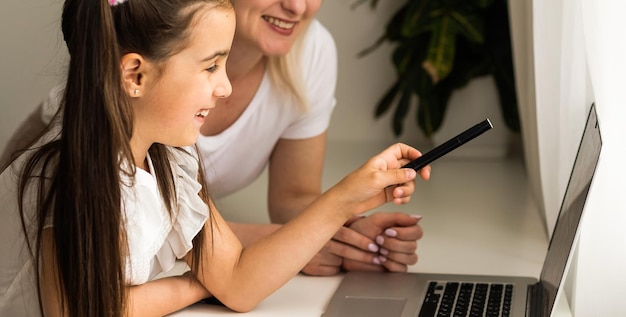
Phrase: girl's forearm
(255, 272)
(249, 233)
(164, 296)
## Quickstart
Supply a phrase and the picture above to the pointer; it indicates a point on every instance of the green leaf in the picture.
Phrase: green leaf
(408, 56)
(393, 32)
(395, 28)
(499, 49)
(441, 49)
(401, 111)
(432, 109)
(474, 61)
(417, 17)
(441, 45)
(470, 26)
(508, 101)
(385, 103)
(482, 3)
(374, 46)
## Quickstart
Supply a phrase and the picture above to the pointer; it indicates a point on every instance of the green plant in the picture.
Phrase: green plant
(440, 45)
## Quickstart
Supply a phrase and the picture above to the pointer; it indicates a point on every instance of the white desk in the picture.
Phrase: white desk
(478, 218)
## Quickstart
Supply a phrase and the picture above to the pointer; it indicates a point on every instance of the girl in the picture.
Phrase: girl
(113, 195)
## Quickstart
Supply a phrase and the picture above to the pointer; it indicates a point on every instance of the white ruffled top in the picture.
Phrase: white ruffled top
(156, 239)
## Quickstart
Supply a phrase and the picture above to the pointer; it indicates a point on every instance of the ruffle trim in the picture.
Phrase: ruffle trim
(192, 211)
(155, 240)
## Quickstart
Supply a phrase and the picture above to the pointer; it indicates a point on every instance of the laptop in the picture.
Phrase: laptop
(365, 294)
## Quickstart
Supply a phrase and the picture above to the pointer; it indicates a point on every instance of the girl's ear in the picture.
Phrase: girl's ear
(133, 66)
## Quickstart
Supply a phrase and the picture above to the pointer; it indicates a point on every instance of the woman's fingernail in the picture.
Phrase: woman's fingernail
(380, 240)
(382, 259)
(376, 261)
(372, 247)
(391, 232)
(417, 216)
(383, 251)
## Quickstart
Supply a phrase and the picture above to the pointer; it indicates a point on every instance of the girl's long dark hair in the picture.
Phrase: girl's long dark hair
(77, 178)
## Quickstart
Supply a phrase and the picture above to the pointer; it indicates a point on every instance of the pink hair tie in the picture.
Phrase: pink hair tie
(116, 2)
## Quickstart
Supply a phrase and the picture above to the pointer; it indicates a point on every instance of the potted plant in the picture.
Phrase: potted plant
(440, 46)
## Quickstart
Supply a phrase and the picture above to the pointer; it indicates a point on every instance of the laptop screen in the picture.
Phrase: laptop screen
(571, 209)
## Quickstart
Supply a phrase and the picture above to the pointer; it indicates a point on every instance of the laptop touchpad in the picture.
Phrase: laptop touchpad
(372, 306)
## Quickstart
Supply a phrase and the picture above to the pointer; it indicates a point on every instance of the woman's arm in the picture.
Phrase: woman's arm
(295, 176)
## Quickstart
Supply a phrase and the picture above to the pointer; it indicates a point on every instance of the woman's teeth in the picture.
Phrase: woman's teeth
(279, 23)
(202, 113)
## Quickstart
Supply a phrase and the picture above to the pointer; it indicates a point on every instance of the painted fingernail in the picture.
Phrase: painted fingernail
(376, 261)
(391, 232)
(383, 251)
(417, 216)
(372, 247)
(380, 240)
(382, 259)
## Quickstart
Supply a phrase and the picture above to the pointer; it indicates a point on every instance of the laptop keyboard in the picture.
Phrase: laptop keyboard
(458, 299)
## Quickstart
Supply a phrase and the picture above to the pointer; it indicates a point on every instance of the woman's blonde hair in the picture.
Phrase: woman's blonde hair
(285, 72)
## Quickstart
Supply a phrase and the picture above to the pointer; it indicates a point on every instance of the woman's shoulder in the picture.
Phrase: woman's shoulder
(318, 52)
(318, 35)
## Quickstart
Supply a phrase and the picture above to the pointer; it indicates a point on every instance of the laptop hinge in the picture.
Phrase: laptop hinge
(535, 301)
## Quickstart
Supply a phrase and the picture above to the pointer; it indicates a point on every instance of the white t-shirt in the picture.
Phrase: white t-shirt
(155, 239)
(236, 157)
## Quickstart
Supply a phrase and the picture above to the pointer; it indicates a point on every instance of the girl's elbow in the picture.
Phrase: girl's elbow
(241, 304)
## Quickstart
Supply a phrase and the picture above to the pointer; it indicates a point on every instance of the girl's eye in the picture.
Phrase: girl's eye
(213, 68)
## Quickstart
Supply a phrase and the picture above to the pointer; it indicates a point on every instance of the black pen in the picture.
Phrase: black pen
(450, 145)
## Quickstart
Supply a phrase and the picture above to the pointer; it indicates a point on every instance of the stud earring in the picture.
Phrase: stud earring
(136, 92)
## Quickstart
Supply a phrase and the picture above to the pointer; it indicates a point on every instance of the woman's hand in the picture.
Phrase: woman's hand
(395, 237)
(383, 241)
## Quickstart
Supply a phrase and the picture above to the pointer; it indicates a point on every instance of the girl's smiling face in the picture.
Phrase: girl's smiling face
(175, 96)
(273, 25)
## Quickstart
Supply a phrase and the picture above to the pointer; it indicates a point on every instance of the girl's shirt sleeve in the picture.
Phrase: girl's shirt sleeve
(157, 239)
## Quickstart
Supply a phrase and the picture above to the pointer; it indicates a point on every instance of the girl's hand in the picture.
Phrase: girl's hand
(380, 180)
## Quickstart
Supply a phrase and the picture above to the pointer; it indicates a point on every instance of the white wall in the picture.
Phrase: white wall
(579, 58)
(602, 248)
(30, 58)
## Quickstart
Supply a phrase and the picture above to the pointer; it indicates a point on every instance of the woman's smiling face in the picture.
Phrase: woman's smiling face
(273, 25)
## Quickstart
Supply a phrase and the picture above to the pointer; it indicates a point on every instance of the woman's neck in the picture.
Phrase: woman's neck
(245, 69)
(242, 60)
